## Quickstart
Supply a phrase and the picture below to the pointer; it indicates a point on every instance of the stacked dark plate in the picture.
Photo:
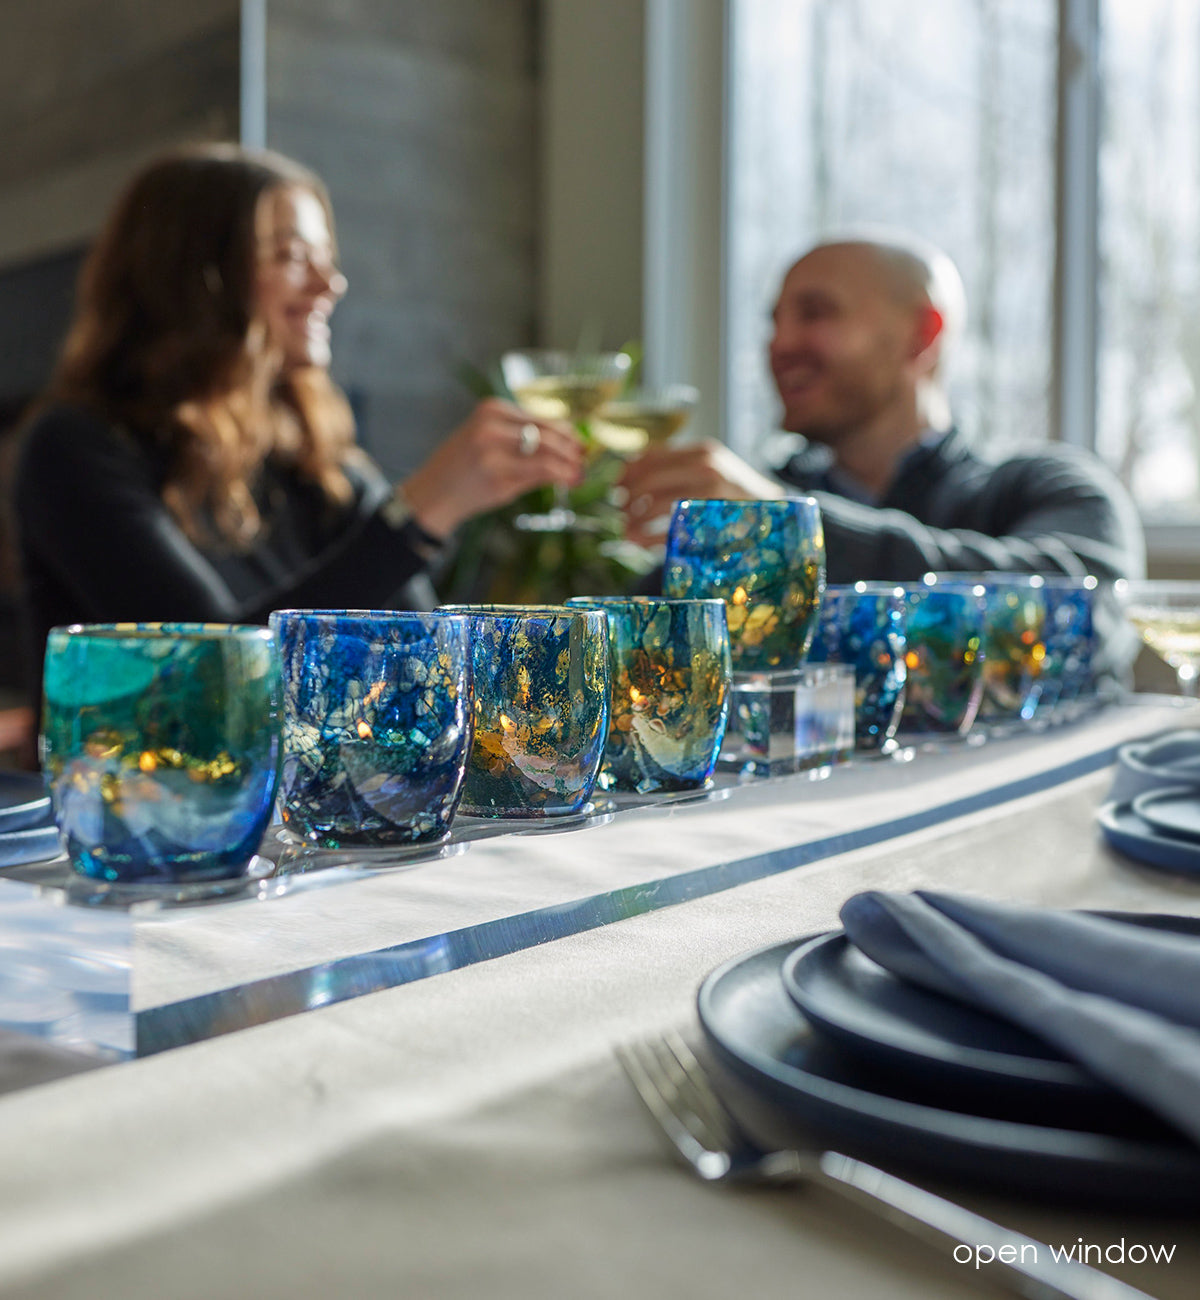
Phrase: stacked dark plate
(1153, 812)
(27, 830)
(822, 1045)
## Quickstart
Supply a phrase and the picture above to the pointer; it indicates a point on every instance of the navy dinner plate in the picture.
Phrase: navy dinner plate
(791, 1088)
(1132, 835)
(950, 1051)
(27, 830)
(844, 994)
(23, 801)
(1173, 811)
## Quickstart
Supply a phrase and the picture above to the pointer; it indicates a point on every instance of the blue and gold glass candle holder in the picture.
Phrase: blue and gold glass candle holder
(670, 671)
(943, 626)
(863, 626)
(161, 748)
(540, 707)
(377, 725)
(765, 560)
(1070, 638)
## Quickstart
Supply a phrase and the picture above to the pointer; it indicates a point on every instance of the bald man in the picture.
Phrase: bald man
(861, 329)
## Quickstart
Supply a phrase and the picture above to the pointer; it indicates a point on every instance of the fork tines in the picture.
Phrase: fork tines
(676, 1090)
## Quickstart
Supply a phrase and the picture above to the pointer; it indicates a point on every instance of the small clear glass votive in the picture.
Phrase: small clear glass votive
(765, 559)
(377, 724)
(862, 625)
(161, 747)
(943, 655)
(670, 671)
(540, 699)
(793, 720)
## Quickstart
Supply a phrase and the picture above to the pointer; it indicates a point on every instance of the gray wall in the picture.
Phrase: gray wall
(88, 90)
(593, 164)
(421, 117)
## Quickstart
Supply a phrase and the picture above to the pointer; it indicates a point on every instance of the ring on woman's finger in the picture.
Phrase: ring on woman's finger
(531, 439)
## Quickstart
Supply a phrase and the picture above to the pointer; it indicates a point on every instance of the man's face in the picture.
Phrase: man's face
(843, 342)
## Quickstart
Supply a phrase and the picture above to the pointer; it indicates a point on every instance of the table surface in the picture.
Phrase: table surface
(468, 1132)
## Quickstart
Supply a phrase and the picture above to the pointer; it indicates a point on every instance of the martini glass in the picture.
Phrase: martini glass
(1167, 615)
(642, 418)
(558, 385)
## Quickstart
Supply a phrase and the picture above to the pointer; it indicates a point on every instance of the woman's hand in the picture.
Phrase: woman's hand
(664, 475)
(494, 456)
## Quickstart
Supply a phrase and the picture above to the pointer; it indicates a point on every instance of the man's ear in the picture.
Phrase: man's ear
(927, 334)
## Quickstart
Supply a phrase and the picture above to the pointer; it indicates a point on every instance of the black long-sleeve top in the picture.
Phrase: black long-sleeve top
(1046, 511)
(97, 543)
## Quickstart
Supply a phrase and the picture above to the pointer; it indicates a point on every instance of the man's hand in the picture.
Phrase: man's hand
(664, 475)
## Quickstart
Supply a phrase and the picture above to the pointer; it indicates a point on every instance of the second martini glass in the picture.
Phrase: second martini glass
(1167, 616)
(643, 417)
(560, 385)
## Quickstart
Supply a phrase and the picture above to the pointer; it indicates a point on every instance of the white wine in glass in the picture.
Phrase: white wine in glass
(1167, 617)
(565, 397)
(645, 417)
(558, 385)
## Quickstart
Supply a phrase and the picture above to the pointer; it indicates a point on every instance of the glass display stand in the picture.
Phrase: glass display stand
(66, 972)
(130, 972)
(790, 720)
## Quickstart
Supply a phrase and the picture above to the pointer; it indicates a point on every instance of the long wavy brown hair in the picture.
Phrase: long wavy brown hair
(166, 343)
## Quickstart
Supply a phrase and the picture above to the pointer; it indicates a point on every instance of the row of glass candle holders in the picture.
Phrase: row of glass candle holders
(166, 746)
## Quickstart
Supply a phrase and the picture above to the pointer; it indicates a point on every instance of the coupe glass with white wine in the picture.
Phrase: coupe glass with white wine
(560, 385)
(1167, 615)
(643, 417)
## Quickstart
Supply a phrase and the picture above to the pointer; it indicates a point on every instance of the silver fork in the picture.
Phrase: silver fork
(678, 1093)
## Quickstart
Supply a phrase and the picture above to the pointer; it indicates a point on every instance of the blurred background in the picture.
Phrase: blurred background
(515, 172)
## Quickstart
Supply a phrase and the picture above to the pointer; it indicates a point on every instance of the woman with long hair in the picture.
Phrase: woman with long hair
(193, 459)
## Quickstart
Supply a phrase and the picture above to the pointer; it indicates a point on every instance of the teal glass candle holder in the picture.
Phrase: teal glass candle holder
(540, 700)
(1013, 648)
(862, 625)
(377, 725)
(670, 671)
(765, 560)
(943, 656)
(161, 747)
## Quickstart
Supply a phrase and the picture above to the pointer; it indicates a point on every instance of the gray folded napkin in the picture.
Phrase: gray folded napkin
(1120, 999)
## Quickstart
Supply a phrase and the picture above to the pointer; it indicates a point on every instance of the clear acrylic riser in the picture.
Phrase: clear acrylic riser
(789, 720)
(80, 962)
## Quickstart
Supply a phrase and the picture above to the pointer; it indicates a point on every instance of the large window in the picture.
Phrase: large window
(942, 118)
(1148, 390)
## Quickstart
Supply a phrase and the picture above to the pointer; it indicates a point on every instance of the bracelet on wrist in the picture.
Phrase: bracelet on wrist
(397, 513)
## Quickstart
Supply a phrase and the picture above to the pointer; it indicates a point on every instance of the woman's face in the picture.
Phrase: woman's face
(298, 283)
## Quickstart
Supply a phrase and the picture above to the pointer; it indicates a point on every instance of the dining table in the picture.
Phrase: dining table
(398, 1077)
